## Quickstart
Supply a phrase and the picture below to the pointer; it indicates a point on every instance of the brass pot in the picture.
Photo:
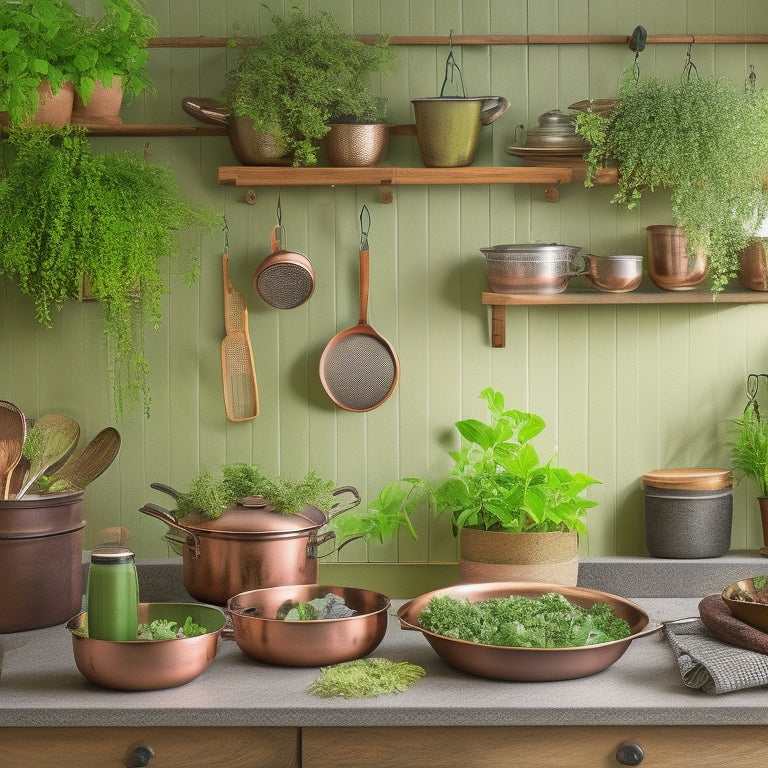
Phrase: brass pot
(249, 548)
(352, 145)
(148, 665)
(527, 664)
(263, 637)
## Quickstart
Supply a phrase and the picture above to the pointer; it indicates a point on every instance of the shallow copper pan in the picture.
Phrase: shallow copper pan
(527, 664)
(749, 602)
(307, 643)
(148, 665)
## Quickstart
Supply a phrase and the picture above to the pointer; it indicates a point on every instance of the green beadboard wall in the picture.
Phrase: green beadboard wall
(624, 390)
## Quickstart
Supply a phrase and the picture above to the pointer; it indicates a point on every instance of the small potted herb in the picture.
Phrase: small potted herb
(703, 138)
(503, 500)
(300, 77)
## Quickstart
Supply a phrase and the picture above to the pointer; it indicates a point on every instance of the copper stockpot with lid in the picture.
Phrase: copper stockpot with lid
(248, 547)
(688, 512)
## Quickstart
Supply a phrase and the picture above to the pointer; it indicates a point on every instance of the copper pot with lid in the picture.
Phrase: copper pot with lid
(250, 546)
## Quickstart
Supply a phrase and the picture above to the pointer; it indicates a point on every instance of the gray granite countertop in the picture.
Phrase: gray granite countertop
(40, 686)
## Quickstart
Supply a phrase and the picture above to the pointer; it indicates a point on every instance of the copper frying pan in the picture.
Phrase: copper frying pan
(284, 279)
(359, 369)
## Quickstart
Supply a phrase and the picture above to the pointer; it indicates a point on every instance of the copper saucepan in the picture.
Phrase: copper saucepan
(148, 665)
(263, 637)
(284, 279)
(249, 548)
(528, 664)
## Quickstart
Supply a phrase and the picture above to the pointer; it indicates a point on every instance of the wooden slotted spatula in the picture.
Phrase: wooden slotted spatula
(241, 397)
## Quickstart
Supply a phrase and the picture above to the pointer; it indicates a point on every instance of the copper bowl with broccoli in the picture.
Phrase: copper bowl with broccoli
(526, 631)
(176, 643)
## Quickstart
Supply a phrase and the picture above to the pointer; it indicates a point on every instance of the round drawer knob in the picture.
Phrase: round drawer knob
(630, 754)
(138, 756)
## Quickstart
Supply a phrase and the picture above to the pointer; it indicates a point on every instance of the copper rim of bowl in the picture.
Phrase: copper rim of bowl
(148, 665)
(749, 602)
(309, 643)
(528, 664)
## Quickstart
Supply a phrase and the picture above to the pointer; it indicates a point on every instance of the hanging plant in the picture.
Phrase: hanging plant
(67, 215)
(703, 138)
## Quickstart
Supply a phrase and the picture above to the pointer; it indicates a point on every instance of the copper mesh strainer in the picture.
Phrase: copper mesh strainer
(358, 368)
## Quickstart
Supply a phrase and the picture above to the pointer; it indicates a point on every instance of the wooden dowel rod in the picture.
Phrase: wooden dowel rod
(442, 40)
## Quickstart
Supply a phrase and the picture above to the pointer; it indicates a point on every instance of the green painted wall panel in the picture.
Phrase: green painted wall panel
(624, 390)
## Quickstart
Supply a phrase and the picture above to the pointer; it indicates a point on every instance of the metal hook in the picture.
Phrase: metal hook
(689, 65)
(279, 213)
(450, 66)
(364, 227)
(752, 77)
(225, 229)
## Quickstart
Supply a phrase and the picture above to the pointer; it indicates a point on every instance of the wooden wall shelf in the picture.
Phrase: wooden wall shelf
(158, 130)
(385, 178)
(646, 295)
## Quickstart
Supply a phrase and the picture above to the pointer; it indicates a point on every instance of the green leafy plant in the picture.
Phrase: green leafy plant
(749, 449)
(301, 76)
(38, 42)
(498, 482)
(68, 215)
(115, 45)
(703, 138)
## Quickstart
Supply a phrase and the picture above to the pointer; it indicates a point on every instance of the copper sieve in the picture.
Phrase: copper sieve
(284, 279)
(358, 368)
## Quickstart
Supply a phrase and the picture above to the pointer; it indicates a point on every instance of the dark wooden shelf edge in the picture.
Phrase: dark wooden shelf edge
(499, 302)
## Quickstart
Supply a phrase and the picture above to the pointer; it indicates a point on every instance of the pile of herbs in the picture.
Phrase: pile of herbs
(362, 678)
(548, 621)
(703, 138)
(165, 629)
(210, 494)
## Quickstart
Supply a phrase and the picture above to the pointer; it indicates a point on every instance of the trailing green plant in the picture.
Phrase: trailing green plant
(498, 482)
(749, 448)
(304, 74)
(68, 215)
(115, 45)
(38, 42)
(703, 138)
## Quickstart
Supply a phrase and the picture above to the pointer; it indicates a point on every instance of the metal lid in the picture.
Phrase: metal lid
(112, 555)
(688, 479)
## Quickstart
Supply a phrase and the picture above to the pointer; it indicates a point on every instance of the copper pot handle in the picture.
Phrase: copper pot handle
(193, 542)
(163, 488)
(339, 508)
(492, 108)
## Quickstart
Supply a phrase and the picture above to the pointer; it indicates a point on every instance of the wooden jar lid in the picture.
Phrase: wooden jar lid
(688, 479)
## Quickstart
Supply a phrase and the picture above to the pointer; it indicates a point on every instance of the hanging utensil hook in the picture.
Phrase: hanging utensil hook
(225, 230)
(365, 227)
(450, 67)
(689, 66)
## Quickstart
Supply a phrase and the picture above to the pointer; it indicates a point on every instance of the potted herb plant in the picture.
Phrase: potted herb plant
(517, 518)
(67, 215)
(749, 454)
(38, 42)
(112, 60)
(299, 77)
(703, 138)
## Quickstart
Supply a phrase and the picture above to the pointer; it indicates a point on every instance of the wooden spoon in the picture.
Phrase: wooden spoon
(13, 431)
(84, 467)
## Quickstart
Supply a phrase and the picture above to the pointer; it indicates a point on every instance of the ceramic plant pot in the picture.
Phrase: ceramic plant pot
(491, 556)
(753, 267)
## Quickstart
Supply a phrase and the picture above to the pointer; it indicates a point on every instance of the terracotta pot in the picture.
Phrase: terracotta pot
(491, 556)
(352, 145)
(54, 108)
(763, 502)
(103, 107)
(753, 267)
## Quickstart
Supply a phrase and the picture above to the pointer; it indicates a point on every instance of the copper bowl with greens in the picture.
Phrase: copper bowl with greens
(748, 601)
(518, 662)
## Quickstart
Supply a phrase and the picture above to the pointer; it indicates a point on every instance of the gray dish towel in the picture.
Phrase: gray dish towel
(709, 663)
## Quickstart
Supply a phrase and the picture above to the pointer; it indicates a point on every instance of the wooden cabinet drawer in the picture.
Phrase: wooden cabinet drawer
(532, 747)
(172, 747)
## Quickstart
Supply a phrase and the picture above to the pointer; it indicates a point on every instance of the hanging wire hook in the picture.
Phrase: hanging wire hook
(279, 213)
(689, 66)
(365, 227)
(450, 67)
(225, 230)
(752, 79)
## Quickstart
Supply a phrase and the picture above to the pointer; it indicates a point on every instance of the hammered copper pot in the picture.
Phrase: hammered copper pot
(263, 637)
(249, 548)
(148, 665)
(527, 664)
(41, 554)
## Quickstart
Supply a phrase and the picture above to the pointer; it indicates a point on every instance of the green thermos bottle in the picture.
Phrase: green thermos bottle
(113, 594)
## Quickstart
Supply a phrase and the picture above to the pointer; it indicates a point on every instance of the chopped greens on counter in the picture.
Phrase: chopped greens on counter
(329, 607)
(164, 629)
(361, 678)
(548, 621)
